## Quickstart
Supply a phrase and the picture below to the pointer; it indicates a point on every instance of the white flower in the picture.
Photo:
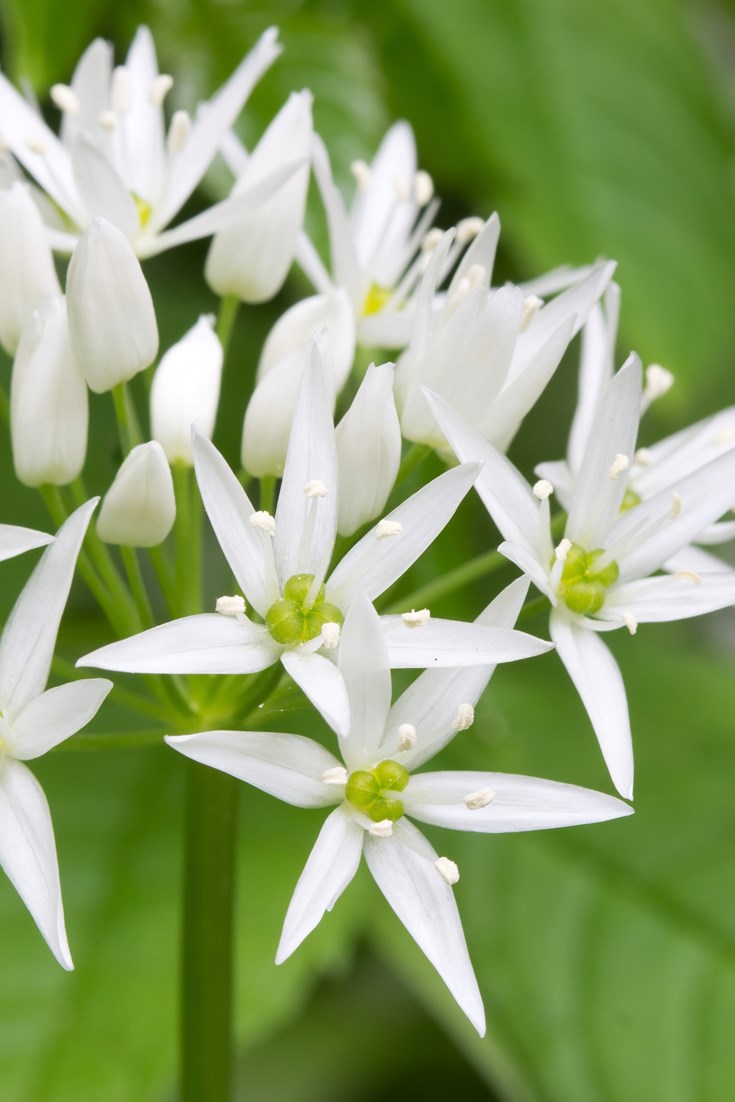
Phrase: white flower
(185, 390)
(374, 792)
(33, 721)
(281, 569)
(27, 272)
(113, 157)
(139, 509)
(598, 577)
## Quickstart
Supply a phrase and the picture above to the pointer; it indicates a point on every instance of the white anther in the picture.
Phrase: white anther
(406, 736)
(383, 829)
(675, 505)
(724, 436)
(160, 88)
(36, 145)
(481, 798)
(619, 464)
(468, 229)
(464, 718)
(315, 488)
(65, 99)
(230, 606)
(414, 619)
(447, 870)
(477, 276)
(531, 306)
(178, 131)
(423, 188)
(385, 528)
(658, 382)
(361, 171)
(542, 489)
(630, 622)
(403, 189)
(643, 457)
(461, 292)
(108, 120)
(431, 240)
(336, 775)
(689, 576)
(263, 520)
(562, 550)
(121, 93)
(330, 635)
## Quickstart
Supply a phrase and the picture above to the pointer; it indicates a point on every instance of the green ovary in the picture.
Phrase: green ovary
(630, 500)
(375, 299)
(143, 208)
(582, 587)
(291, 621)
(366, 790)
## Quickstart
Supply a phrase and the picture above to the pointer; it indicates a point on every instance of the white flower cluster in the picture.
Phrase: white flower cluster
(471, 359)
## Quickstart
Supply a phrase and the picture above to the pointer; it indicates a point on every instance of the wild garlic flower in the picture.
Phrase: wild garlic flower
(375, 794)
(281, 564)
(599, 575)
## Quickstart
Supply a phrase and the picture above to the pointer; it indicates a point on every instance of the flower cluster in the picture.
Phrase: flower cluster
(305, 617)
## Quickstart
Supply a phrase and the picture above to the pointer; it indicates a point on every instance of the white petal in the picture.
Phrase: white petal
(295, 328)
(374, 208)
(28, 854)
(101, 188)
(597, 679)
(323, 684)
(674, 597)
(288, 767)
(595, 371)
(142, 135)
(530, 565)
(29, 636)
(90, 83)
(248, 550)
(27, 271)
(14, 540)
(208, 643)
(403, 867)
(696, 559)
(345, 264)
(331, 866)
(454, 643)
(676, 456)
(56, 715)
(363, 660)
(518, 803)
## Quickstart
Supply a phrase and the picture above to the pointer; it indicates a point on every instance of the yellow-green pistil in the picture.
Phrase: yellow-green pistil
(368, 790)
(375, 299)
(292, 621)
(582, 586)
(630, 500)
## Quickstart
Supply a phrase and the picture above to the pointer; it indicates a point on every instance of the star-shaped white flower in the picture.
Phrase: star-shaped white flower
(373, 792)
(281, 564)
(112, 157)
(14, 540)
(33, 721)
(599, 575)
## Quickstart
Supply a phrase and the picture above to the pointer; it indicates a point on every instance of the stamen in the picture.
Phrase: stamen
(724, 436)
(431, 240)
(675, 505)
(643, 457)
(403, 189)
(230, 606)
(630, 622)
(160, 88)
(464, 718)
(479, 799)
(121, 92)
(543, 489)
(619, 464)
(531, 306)
(361, 171)
(447, 870)
(461, 291)
(336, 775)
(477, 276)
(562, 550)
(315, 488)
(262, 519)
(386, 528)
(108, 120)
(65, 99)
(414, 619)
(423, 188)
(330, 635)
(658, 382)
(178, 132)
(689, 576)
(36, 145)
(468, 229)
(383, 829)
(406, 736)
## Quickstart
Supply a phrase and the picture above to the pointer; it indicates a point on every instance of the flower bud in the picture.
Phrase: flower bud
(251, 258)
(368, 442)
(48, 401)
(139, 508)
(186, 390)
(292, 334)
(27, 270)
(111, 318)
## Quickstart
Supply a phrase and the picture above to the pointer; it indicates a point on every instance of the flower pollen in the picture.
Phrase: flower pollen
(447, 869)
(414, 619)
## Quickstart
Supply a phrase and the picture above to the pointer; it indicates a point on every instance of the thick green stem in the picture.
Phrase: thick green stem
(413, 458)
(228, 309)
(209, 880)
(4, 406)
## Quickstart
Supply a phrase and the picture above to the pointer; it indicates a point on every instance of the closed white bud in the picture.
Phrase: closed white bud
(139, 508)
(111, 317)
(27, 270)
(251, 258)
(368, 442)
(185, 390)
(48, 401)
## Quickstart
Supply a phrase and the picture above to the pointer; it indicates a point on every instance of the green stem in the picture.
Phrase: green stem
(267, 493)
(113, 740)
(228, 309)
(127, 419)
(455, 579)
(209, 888)
(413, 458)
(137, 585)
(164, 573)
(188, 541)
(4, 406)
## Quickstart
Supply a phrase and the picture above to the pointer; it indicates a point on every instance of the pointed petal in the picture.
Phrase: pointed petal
(28, 854)
(101, 187)
(323, 684)
(521, 557)
(374, 208)
(15, 540)
(331, 866)
(673, 597)
(56, 715)
(363, 660)
(288, 767)
(676, 456)
(454, 643)
(595, 372)
(696, 559)
(403, 867)
(345, 265)
(29, 636)
(597, 679)
(142, 129)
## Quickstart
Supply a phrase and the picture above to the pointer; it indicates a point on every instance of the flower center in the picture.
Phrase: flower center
(630, 500)
(375, 299)
(370, 791)
(295, 619)
(143, 208)
(582, 586)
